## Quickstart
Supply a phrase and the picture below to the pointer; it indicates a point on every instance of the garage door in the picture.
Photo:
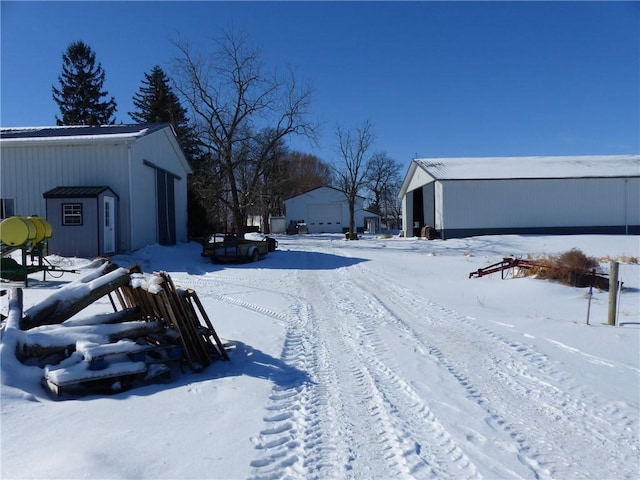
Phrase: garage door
(325, 218)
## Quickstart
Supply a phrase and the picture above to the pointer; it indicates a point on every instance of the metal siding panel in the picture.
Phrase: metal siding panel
(419, 179)
(158, 149)
(632, 206)
(534, 203)
(143, 209)
(29, 171)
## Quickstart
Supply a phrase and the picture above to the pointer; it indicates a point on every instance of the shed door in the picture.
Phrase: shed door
(109, 211)
(166, 208)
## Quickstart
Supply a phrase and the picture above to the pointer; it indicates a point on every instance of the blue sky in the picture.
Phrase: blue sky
(434, 78)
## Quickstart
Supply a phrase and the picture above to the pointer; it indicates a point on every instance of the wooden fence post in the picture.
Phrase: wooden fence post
(613, 291)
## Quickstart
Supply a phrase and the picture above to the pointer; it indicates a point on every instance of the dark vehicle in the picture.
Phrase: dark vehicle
(230, 248)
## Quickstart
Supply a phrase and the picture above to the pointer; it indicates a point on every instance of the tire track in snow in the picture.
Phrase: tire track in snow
(427, 447)
(308, 432)
(407, 432)
(317, 430)
(349, 415)
(297, 440)
(300, 439)
(516, 375)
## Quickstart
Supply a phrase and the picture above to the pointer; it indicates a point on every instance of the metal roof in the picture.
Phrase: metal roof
(75, 192)
(496, 168)
(80, 131)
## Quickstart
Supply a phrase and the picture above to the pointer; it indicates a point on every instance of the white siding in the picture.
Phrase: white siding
(439, 199)
(632, 203)
(29, 169)
(161, 151)
(537, 203)
(28, 172)
(419, 178)
(407, 214)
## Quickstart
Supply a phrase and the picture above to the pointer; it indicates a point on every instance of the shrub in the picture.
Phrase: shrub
(561, 267)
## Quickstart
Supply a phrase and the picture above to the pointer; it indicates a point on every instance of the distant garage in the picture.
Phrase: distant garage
(460, 197)
(325, 210)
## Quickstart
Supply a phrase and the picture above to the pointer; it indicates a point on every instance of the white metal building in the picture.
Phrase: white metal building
(325, 210)
(462, 197)
(143, 165)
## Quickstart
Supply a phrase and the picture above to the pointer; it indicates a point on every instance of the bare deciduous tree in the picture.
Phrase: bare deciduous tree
(305, 172)
(382, 183)
(242, 113)
(353, 147)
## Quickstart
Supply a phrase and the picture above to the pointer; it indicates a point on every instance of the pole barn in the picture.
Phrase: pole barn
(461, 197)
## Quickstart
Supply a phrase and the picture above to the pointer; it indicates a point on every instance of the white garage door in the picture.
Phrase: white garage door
(325, 218)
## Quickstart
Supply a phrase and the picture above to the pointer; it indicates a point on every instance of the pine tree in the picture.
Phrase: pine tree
(156, 102)
(80, 94)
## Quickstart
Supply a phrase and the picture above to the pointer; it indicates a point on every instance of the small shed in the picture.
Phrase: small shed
(325, 210)
(461, 197)
(84, 221)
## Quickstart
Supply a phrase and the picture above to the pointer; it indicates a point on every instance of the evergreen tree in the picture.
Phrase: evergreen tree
(156, 102)
(80, 94)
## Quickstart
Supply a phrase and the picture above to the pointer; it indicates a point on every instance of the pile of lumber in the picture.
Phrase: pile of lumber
(153, 326)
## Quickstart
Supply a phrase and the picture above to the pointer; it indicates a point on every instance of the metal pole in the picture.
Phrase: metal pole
(589, 304)
(613, 292)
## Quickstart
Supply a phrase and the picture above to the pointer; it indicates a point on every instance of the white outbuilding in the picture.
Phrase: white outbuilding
(461, 197)
(128, 180)
(325, 210)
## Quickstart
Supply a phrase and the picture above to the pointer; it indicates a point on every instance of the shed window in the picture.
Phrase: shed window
(7, 207)
(71, 214)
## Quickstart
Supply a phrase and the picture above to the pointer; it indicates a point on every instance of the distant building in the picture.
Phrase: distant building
(325, 210)
(130, 181)
(461, 197)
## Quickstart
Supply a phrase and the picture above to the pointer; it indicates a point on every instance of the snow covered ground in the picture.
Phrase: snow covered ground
(376, 358)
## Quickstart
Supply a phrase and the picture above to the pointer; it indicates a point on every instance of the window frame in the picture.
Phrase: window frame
(76, 212)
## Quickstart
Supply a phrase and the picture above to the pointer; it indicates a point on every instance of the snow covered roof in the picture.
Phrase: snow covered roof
(78, 132)
(485, 168)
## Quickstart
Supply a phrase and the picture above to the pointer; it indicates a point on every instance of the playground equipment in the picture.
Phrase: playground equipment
(29, 235)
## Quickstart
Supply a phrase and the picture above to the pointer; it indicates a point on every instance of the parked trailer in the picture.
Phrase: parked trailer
(230, 248)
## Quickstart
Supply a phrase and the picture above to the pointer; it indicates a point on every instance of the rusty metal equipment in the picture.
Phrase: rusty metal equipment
(507, 263)
(573, 278)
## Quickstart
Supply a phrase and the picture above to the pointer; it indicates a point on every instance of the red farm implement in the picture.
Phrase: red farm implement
(570, 277)
(507, 263)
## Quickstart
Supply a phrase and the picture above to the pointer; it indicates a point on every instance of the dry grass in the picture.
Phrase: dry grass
(626, 259)
(560, 267)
